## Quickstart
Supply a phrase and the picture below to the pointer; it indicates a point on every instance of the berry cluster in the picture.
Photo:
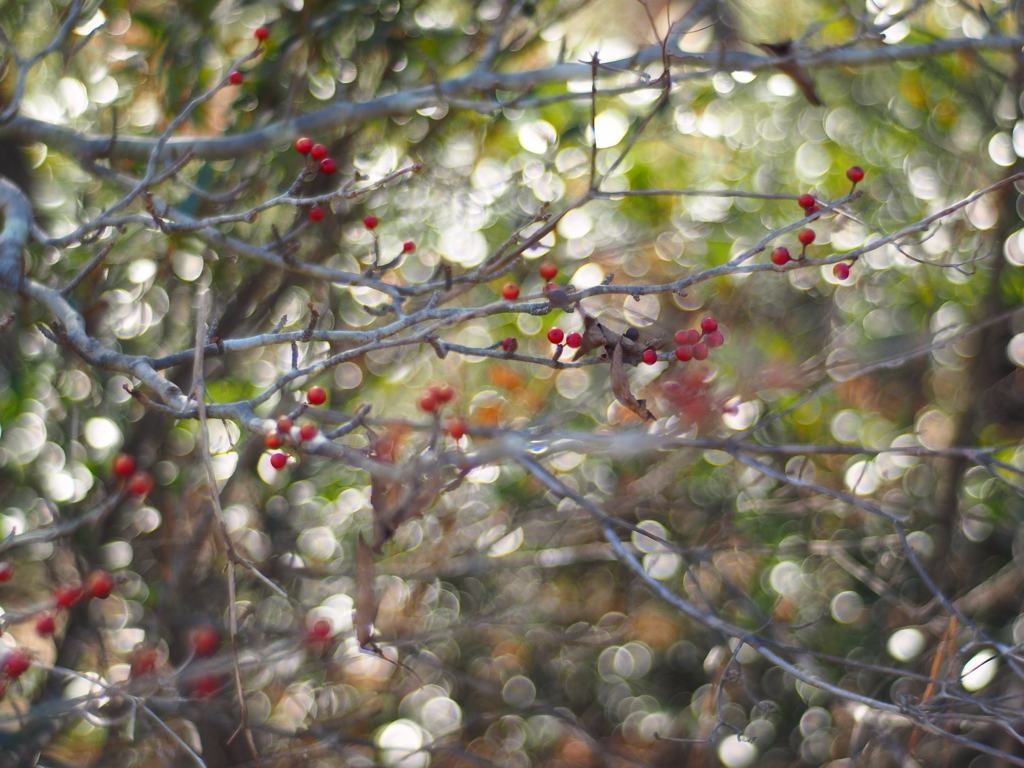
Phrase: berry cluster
(436, 396)
(283, 432)
(139, 483)
(317, 153)
(781, 255)
(694, 345)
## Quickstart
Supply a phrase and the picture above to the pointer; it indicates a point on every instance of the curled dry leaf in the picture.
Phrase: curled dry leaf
(365, 612)
(395, 501)
(620, 386)
(595, 336)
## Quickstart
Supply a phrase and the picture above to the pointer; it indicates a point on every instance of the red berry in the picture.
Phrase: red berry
(574, 340)
(101, 584)
(855, 173)
(708, 324)
(328, 166)
(206, 686)
(443, 393)
(315, 214)
(650, 356)
(555, 335)
(308, 431)
(806, 236)
(66, 597)
(235, 78)
(692, 336)
(370, 222)
(700, 351)
(273, 440)
(261, 33)
(141, 484)
(813, 210)
(510, 291)
(457, 428)
(780, 256)
(428, 402)
(318, 151)
(548, 270)
(509, 344)
(805, 200)
(714, 339)
(284, 424)
(45, 625)
(315, 396)
(684, 352)
(278, 460)
(6, 571)
(408, 246)
(15, 663)
(841, 270)
(123, 465)
(681, 337)
(303, 145)
(550, 287)
(205, 640)
(144, 659)
(319, 632)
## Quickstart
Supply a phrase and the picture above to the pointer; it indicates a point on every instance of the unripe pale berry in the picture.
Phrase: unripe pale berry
(124, 465)
(806, 200)
(408, 246)
(700, 351)
(141, 484)
(650, 356)
(261, 33)
(806, 237)
(46, 625)
(318, 151)
(457, 428)
(684, 352)
(708, 324)
(370, 222)
(510, 291)
(316, 213)
(278, 460)
(841, 270)
(714, 339)
(328, 166)
(235, 78)
(555, 335)
(314, 396)
(303, 145)
(780, 256)
(101, 584)
(855, 173)
(548, 270)
(574, 340)
(308, 431)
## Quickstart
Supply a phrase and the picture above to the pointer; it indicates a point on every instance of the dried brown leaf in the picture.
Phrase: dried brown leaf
(365, 612)
(620, 387)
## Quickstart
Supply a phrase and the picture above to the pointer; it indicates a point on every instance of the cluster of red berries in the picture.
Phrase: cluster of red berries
(547, 271)
(693, 344)
(781, 255)
(307, 431)
(435, 396)
(557, 336)
(99, 585)
(139, 483)
(317, 152)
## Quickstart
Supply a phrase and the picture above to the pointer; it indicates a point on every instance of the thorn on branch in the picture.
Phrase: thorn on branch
(608, 278)
(378, 311)
(279, 325)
